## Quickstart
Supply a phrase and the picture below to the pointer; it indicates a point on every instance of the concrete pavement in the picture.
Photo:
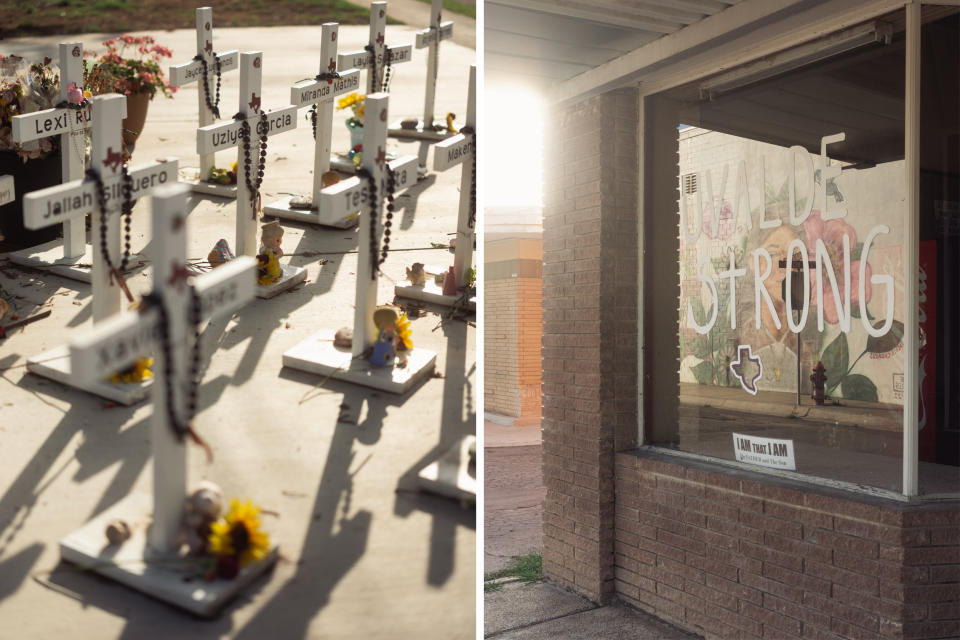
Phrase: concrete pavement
(513, 497)
(363, 554)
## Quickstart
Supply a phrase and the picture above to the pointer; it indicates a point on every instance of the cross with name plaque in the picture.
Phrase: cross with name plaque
(461, 149)
(72, 201)
(319, 92)
(430, 39)
(318, 354)
(150, 560)
(206, 66)
(377, 59)
(71, 256)
(227, 135)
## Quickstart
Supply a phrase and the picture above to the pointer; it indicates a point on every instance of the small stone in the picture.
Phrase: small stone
(118, 532)
(301, 202)
(330, 178)
(343, 338)
(409, 123)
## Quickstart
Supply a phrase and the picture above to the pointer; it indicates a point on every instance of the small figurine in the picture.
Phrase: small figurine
(220, 254)
(450, 127)
(393, 338)
(450, 283)
(416, 274)
(202, 509)
(819, 380)
(268, 258)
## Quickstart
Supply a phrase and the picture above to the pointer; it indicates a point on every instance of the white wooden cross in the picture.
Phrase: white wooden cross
(63, 257)
(457, 150)
(221, 136)
(430, 39)
(192, 71)
(117, 343)
(376, 61)
(317, 354)
(72, 201)
(321, 93)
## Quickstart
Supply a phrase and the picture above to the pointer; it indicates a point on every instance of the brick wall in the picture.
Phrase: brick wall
(500, 392)
(590, 332)
(739, 555)
(529, 337)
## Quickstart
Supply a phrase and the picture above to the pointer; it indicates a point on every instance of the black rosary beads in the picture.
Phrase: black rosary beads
(126, 210)
(470, 131)
(391, 185)
(262, 128)
(213, 106)
(181, 427)
(374, 217)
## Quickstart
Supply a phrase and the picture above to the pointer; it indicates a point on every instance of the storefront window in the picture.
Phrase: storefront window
(784, 346)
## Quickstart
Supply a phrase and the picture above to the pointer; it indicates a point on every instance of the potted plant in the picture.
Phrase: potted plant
(138, 77)
(25, 88)
(354, 101)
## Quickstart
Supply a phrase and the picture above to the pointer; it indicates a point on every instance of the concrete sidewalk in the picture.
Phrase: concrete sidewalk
(363, 553)
(539, 610)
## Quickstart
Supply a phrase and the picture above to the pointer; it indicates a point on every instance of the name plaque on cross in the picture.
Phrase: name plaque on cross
(192, 71)
(452, 151)
(361, 59)
(311, 91)
(7, 191)
(225, 135)
(352, 195)
(41, 124)
(42, 208)
(427, 37)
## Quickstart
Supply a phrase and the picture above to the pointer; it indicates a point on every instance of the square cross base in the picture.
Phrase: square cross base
(450, 474)
(432, 293)
(430, 135)
(317, 355)
(282, 209)
(49, 257)
(208, 188)
(292, 276)
(55, 365)
(174, 579)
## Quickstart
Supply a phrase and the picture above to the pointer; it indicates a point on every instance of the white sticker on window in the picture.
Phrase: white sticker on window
(766, 452)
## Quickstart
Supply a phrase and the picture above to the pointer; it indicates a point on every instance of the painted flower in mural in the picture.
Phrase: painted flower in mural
(832, 233)
(725, 224)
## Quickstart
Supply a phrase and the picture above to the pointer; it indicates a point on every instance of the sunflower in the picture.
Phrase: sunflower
(137, 372)
(238, 534)
(404, 332)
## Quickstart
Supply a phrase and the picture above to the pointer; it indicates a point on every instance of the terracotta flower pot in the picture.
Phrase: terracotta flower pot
(137, 105)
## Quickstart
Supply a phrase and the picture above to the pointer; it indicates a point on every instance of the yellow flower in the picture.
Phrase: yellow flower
(239, 534)
(404, 332)
(139, 372)
(360, 111)
(233, 166)
(348, 100)
(87, 94)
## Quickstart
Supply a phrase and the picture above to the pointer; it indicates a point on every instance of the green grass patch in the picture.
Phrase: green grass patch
(463, 8)
(527, 568)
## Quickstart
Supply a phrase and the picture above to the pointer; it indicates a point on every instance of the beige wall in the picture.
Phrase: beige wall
(513, 326)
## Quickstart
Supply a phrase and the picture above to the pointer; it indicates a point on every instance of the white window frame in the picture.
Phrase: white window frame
(691, 70)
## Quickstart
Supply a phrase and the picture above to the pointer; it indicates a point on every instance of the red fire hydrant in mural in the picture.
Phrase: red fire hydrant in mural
(819, 380)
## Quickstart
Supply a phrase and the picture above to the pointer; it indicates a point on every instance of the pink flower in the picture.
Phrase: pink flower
(832, 233)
